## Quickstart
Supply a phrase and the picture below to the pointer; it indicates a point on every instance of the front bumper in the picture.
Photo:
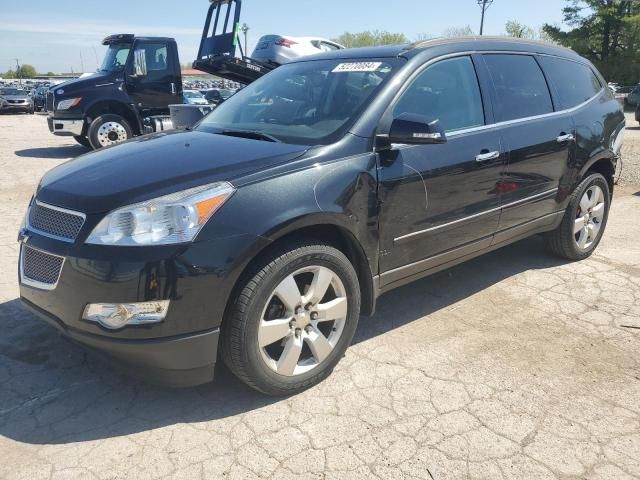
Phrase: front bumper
(197, 279)
(180, 361)
(66, 127)
(16, 107)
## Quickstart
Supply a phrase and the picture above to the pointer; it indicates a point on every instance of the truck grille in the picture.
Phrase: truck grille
(40, 269)
(55, 222)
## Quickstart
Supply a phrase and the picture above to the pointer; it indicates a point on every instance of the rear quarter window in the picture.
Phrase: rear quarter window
(521, 89)
(573, 82)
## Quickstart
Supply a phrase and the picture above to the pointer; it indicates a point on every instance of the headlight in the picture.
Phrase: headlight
(67, 104)
(174, 218)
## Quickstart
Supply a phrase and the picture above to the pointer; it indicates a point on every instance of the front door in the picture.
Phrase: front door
(440, 202)
(153, 81)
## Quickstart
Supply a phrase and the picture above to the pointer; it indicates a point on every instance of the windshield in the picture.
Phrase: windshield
(191, 94)
(115, 57)
(308, 103)
(11, 91)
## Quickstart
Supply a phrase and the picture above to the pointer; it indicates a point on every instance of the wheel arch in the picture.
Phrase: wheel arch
(325, 231)
(113, 106)
(605, 166)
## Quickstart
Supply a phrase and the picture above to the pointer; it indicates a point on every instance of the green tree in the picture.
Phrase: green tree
(465, 31)
(370, 38)
(9, 74)
(519, 30)
(51, 74)
(605, 31)
(26, 71)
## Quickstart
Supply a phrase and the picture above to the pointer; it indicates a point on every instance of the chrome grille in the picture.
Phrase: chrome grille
(55, 222)
(40, 269)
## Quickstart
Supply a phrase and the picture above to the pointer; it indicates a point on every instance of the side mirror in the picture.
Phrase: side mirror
(414, 129)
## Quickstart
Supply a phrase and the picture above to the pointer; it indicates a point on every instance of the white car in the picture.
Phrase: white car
(282, 49)
(194, 97)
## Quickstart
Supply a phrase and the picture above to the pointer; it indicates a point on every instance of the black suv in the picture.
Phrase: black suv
(270, 227)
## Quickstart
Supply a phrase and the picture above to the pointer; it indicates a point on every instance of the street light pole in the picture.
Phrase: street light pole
(484, 4)
(245, 30)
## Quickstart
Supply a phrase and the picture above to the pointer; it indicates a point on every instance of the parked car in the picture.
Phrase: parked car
(15, 100)
(216, 96)
(39, 97)
(271, 226)
(633, 99)
(194, 97)
(281, 49)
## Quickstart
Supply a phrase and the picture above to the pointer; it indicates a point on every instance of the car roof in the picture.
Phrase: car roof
(450, 45)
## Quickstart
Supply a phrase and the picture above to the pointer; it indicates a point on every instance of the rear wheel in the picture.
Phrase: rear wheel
(293, 319)
(584, 220)
(107, 130)
(84, 141)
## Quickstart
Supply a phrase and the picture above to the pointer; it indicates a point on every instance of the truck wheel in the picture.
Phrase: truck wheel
(84, 141)
(107, 130)
(584, 220)
(292, 318)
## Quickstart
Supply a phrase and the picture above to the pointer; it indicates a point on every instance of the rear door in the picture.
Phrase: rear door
(439, 202)
(539, 140)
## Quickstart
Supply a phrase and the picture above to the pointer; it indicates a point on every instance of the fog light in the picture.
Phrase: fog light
(118, 315)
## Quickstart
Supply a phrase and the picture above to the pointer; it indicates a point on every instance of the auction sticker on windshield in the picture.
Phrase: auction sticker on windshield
(357, 67)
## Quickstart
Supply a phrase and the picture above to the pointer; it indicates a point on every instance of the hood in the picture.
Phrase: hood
(154, 165)
(89, 81)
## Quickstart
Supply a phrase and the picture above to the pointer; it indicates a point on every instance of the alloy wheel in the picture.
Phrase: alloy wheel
(589, 217)
(302, 321)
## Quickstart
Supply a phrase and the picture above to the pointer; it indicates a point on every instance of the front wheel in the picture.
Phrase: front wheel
(584, 219)
(107, 130)
(293, 318)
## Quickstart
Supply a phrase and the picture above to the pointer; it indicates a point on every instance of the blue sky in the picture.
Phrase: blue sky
(53, 35)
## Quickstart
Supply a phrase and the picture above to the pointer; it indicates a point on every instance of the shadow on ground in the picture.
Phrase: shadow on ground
(54, 392)
(66, 151)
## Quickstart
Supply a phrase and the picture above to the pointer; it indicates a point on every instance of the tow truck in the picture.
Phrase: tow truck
(140, 78)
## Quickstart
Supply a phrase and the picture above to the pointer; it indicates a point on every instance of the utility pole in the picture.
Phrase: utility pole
(81, 62)
(245, 30)
(484, 5)
(18, 71)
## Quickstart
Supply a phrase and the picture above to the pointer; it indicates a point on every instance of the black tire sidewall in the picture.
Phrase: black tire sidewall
(266, 379)
(568, 223)
(92, 132)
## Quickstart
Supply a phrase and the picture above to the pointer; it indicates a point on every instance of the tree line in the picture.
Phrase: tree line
(607, 32)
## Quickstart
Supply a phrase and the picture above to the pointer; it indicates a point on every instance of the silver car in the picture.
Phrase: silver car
(281, 49)
(16, 100)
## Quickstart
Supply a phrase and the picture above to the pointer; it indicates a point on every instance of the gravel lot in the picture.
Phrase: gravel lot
(514, 365)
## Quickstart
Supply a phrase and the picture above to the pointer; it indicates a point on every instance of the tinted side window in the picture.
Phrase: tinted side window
(574, 83)
(448, 91)
(520, 87)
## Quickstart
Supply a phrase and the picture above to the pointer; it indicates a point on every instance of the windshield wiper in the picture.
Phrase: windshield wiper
(252, 134)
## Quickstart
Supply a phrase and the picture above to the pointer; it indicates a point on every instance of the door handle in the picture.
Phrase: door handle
(565, 137)
(173, 88)
(483, 157)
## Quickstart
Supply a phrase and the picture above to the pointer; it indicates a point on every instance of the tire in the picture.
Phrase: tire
(84, 141)
(108, 129)
(246, 348)
(566, 242)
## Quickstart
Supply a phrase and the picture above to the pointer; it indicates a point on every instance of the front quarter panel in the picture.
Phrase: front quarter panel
(338, 192)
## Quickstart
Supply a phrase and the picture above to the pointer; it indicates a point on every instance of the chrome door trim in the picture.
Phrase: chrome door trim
(475, 215)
